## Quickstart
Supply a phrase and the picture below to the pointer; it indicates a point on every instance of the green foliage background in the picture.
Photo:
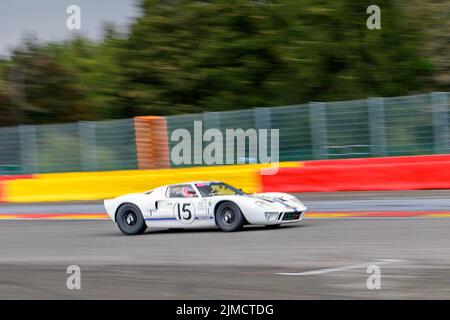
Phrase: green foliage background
(190, 56)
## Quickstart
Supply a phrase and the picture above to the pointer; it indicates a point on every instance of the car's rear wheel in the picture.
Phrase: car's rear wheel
(130, 220)
(229, 217)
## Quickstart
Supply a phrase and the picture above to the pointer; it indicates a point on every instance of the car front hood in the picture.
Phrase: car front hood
(278, 202)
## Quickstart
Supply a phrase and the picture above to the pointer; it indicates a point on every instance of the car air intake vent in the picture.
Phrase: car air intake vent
(289, 216)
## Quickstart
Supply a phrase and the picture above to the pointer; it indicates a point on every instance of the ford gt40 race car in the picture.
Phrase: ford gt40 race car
(202, 204)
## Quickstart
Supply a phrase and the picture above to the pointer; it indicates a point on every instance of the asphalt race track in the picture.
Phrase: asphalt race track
(317, 259)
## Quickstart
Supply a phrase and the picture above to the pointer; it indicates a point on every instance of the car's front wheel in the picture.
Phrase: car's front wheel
(229, 217)
(130, 220)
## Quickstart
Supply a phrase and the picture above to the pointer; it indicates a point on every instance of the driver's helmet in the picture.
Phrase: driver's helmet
(186, 192)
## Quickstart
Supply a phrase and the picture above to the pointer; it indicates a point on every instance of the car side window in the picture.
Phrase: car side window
(182, 191)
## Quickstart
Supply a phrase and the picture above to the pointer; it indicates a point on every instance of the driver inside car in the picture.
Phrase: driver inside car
(188, 192)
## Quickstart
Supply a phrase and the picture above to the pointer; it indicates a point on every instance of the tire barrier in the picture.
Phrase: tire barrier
(380, 160)
(80, 186)
(370, 174)
(2, 196)
(5, 178)
(362, 174)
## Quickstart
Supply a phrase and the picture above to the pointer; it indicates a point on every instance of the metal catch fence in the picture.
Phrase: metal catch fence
(410, 125)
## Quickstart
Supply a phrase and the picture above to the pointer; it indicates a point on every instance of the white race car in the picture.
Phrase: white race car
(202, 204)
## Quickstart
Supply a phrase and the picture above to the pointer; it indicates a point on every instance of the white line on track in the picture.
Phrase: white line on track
(356, 266)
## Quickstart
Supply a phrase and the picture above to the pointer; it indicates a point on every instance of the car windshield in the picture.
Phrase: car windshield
(217, 189)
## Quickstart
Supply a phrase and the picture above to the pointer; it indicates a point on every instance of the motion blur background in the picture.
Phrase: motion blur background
(88, 115)
(177, 57)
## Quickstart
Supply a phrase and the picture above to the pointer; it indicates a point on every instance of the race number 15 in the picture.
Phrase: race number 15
(184, 212)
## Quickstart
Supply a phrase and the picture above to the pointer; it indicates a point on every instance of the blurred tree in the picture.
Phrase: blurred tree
(5, 103)
(42, 90)
(432, 17)
(189, 56)
(185, 56)
(95, 66)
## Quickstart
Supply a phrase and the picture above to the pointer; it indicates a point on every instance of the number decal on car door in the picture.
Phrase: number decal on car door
(185, 212)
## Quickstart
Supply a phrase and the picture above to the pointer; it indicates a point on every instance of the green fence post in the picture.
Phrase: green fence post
(377, 126)
(317, 116)
(211, 120)
(28, 149)
(439, 107)
(88, 147)
(263, 120)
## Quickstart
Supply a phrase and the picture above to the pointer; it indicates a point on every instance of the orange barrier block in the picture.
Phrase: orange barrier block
(151, 142)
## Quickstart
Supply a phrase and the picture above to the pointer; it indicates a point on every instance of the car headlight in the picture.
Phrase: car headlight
(262, 204)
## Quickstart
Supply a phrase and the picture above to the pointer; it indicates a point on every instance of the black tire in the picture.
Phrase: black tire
(229, 217)
(130, 220)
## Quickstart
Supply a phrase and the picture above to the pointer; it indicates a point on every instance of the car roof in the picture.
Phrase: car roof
(182, 183)
(193, 182)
